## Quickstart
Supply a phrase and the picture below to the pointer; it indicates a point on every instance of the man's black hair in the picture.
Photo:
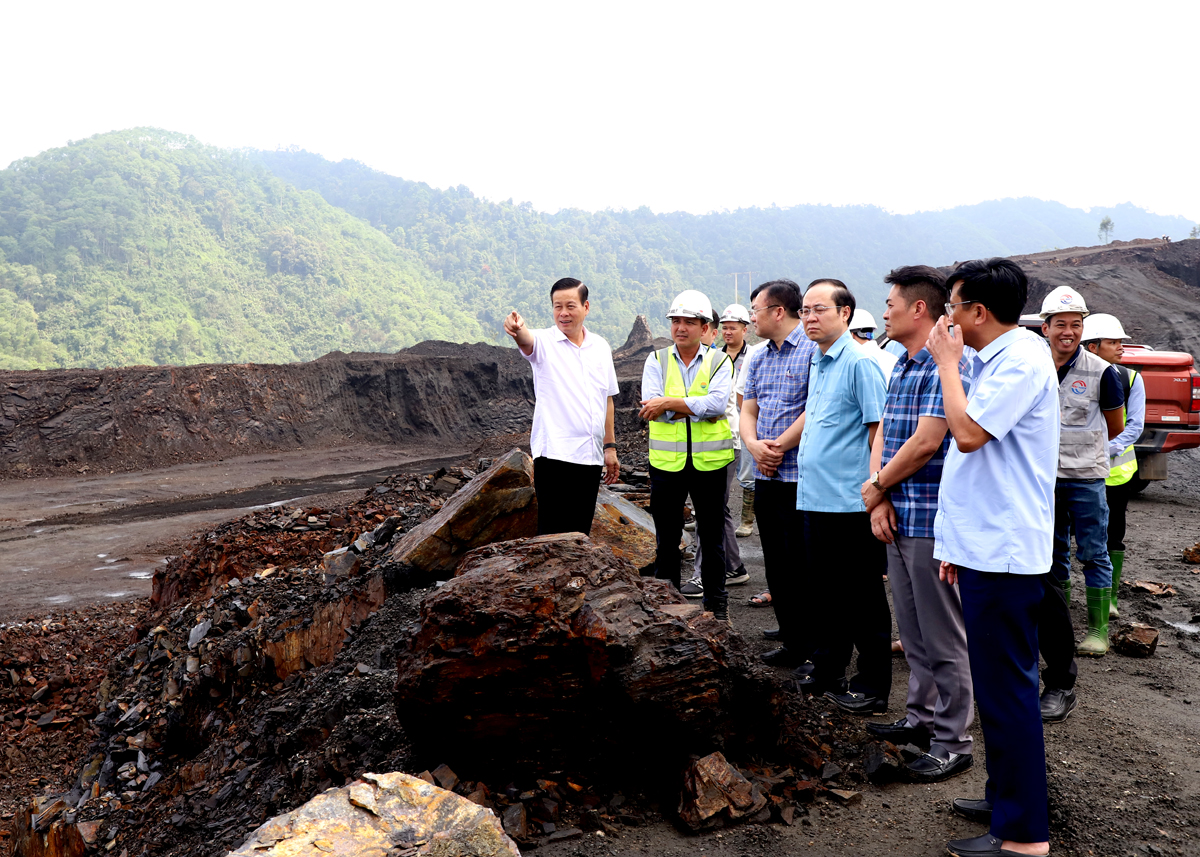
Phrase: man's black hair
(784, 293)
(570, 283)
(998, 284)
(842, 296)
(716, 319)
(921, 283)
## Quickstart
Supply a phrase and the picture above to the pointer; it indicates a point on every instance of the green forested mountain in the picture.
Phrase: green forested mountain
(145, 246)
(634, 261)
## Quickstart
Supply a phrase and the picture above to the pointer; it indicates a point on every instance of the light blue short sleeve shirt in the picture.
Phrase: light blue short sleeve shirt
(996, 505)
(846, 393)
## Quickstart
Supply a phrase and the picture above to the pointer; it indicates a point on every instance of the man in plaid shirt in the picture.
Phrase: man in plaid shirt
(772, 420)
(902, 496)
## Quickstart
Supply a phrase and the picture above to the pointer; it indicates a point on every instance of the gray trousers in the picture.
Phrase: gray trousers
(929, 615)
(733, 553)
(745, 468)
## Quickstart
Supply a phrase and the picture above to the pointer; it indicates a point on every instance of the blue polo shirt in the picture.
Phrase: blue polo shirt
(846, 393)
(996, 505)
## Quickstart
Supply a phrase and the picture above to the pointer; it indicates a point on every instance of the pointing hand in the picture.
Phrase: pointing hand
(514, 324)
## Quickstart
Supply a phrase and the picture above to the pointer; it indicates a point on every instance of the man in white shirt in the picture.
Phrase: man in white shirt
(574, 382)
(862, 328)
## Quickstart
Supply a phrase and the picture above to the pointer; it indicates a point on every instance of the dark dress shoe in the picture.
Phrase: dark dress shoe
(900, 732)
(804, 669)
(975, 810)
(781, 657)
(857, 703)
(938, 764)
(771, 633)
(1056, 705)
(981, 846)
(816, 686)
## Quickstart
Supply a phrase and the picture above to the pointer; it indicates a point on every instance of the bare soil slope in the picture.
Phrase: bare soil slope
(142, 417)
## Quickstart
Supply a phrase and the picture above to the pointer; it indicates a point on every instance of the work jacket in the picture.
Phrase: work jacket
(1083, 441)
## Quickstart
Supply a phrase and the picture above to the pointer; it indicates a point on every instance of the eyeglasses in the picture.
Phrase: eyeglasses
(817, 310)
(756, 310)
(950, 307)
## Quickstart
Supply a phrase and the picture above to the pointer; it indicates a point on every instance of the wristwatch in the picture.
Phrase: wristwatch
(875, 480)
(610, 446)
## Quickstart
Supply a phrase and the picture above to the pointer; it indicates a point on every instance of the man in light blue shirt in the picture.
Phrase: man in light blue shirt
(994, 536)
(848, 606)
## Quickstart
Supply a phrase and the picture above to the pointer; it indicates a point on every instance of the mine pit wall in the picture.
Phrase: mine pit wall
(141, 417)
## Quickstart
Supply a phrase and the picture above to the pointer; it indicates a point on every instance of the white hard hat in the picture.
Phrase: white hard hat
(862, 320)
(1063, 299)
(1103, 326)
(691, 304)
(736, 312)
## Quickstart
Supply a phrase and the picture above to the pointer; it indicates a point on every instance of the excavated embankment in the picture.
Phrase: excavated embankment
(142, 417)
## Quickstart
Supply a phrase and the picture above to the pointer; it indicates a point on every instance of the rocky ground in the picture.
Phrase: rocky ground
(1123, 771)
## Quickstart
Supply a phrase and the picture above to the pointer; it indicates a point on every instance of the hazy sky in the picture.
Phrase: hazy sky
(692, 106)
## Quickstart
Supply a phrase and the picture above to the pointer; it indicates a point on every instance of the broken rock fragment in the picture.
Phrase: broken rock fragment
(1136, 640)
(496, 505)
(715, 790)
(627, 529)
(382, 814)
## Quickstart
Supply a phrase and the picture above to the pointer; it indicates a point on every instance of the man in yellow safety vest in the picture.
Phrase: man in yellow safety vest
(685, 389)
(1103, 335)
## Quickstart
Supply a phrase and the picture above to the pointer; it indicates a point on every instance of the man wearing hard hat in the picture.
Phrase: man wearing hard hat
(1103, 335)
(733, 337)
(735, 321)
(862, 328)
(1091, 402)
(685, 393)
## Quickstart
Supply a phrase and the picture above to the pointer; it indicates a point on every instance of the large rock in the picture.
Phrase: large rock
(382, 814)
(496, 505)
(625, 528)
(554, 651)
(639, 337)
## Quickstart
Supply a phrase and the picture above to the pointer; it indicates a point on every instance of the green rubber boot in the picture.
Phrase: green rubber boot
(1118, 562)
(1095, 642)
(1066, 585)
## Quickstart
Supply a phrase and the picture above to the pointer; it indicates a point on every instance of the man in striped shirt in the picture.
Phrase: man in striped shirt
(902, 496)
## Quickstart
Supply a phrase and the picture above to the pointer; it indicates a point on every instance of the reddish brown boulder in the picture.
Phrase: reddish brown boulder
(553, 649)
(496, 505)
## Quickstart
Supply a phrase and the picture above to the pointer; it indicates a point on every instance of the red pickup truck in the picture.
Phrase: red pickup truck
(1172, 403)
(1172, 407)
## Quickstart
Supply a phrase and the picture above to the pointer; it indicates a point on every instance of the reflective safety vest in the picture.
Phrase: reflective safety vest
(710, 443)
(1125, 464)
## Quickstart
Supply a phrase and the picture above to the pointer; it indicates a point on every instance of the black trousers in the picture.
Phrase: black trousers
(781, 532)
(848, 606)
(668, 491)
(1056, 636)
(566, 495)
(1118, 502)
